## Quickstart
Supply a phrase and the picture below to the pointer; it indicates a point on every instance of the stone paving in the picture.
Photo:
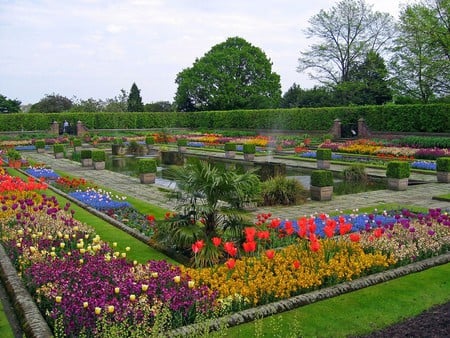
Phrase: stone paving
(420, 195)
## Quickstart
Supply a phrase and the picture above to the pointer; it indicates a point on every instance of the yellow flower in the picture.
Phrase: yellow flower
(154, 275)
(116, 290)
(85, 304)
(110, 308)
(144, 287)
(98, 310)
(177, 279)
(191, 284)
(127, 248)
(58, 299)
(132, 297)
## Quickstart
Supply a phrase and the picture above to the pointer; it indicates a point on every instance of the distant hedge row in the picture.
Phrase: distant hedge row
(396, 118)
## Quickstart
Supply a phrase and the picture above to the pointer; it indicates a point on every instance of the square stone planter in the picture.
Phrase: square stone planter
(86, 162)
(249, 157)
(99, 165)
(321, 193)
(230, 154)
(399, 184)
(323, 164)
(59, 155)
(443, 176)
(40, 150)
(147, 178)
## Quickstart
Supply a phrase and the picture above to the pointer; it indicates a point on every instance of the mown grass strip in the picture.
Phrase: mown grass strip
(359, 312)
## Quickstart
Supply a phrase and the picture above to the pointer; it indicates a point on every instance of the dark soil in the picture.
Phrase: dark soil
(433, 323)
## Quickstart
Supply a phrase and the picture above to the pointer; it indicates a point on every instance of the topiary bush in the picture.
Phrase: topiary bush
(230, 146)
(321, 178)
(39, 144)
(281, 190)
(398, 169)
(323, 154)
(85, 153)
(147, 165)
(182, 142)
(149, 140)
(98, 155)
(443, 164)
(76, 142)
(249, 148)
(58, 148)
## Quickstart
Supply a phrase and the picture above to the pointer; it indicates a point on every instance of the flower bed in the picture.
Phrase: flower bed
(83, 285)
(99, 199)
(44, 173)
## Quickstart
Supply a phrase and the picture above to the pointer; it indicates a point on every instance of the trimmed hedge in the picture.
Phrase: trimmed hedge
(230, 146)
(147, 165)
(98, 155)
(321, 178)
(58, 148)
(395, 118)
(85, 153)
(398, 169)
(39, 144)
(323, 154)
(443, 164)
(249, 148)
(149, 140)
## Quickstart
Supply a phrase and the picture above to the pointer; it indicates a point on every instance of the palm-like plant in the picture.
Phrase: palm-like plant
(210, 201)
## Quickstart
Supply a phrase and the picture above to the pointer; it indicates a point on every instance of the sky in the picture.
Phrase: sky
(94, 48)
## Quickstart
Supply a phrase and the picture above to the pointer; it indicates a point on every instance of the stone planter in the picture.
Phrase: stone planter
(182, 149)
(230, 154)
(40, 150)
(99, 165)
(399, 184)
(59, 155)
(323, 164)
(86, 162)
(321, 193)
(77, 149)
(147, 178)
(249, 157)
(443, 176)
(15, 164)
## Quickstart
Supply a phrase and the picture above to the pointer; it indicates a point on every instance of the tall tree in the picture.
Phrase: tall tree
(313, 97)
(232, 75)
(134, 102)
(421, 61)
(8, 105)
(345, 34)
(367, 83)
(53, 103)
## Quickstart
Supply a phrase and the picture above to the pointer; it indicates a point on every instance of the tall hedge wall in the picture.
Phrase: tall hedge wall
(401, 118)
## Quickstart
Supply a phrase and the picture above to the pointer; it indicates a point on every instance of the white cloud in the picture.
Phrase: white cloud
(93, 48)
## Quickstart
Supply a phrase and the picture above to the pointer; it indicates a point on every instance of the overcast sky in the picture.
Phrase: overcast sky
(95, 48)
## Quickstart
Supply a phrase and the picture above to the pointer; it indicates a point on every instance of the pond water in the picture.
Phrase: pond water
(128, 165)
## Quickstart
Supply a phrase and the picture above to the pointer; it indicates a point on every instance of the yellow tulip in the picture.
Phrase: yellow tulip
(132, 298)
(85, 304)
(144, 287)
(58, 299)
(191, 284)
(110, 308)
(116, 290)
(177, 279)
(154, 274)
(98, 310)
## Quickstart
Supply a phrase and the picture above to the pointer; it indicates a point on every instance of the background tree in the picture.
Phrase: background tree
(53, 103)
(318, 96)
(367, 83)
(8, 105)
(89, 105)
(159, 106)
(421, 62)
(232, 75)
(345, 34)
(118, 103)
(134, 102)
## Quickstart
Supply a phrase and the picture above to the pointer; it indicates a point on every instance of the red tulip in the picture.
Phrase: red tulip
(263, 234)
(198, 246)
(249, 246)
(216, 241)
(355, 237)
(230, 248)
(296, 264)
(250, 234)
(315, 246)
(270, 253)
(345, 228)
(230, 263)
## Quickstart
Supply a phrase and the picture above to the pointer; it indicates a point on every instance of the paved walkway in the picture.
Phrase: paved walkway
(417, 194)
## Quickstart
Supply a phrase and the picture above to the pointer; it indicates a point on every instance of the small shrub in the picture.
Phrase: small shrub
(249, 148)
(182, 142)
(77, 142)
(98, 155)
(85, 153)
(356, 173)
(147, 165)
(398, 169)
(134, 147)
(118, 141)
(13, 154)
(58, 148)
(321, 178)
(39, 144)
(323, 154)
(443, 164)
(149, 140)
(281, 190)
(230, 146)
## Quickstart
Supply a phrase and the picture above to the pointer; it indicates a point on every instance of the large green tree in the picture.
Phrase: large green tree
(318, 96)
(8, 105)
(421, 62)
(344, 35)
(367, 83)
(53, 103)
(134, 102)
(232, 75)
